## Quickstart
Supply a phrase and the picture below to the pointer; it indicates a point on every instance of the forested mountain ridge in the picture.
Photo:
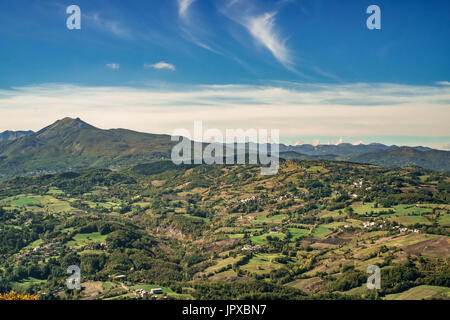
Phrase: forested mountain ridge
(71, 144)
(9, 135)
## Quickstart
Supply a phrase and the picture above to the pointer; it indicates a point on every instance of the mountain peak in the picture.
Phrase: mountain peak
(71, 122)
(65, 124)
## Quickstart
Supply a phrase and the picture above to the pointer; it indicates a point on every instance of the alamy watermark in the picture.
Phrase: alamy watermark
(374, 20)
(374, 281)
(74, 281)
(208, 147)
(73, 22)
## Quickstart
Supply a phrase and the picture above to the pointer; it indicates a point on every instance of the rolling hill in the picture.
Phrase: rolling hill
(401, 157)
(208, 232)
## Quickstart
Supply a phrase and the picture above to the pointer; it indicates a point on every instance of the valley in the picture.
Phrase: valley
(226, 232)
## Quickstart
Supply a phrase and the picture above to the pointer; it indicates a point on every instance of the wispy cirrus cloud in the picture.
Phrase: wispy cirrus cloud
(192, 30)
(160, 65)
(261, 25)
(107, 25)
(183, 7)
(262, 28)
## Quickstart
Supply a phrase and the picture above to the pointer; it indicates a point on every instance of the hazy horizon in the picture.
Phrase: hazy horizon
(311, 140)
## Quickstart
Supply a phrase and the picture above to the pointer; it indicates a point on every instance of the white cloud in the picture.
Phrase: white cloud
(113, 66)
(108, 26)
(340, 141)
(262, 28)
(357, 143)
(298, 142)
(183, 6)
(161, 65)
(195, 31)
(260, 22)
(315, 142)
(443, 83)
(298, 110)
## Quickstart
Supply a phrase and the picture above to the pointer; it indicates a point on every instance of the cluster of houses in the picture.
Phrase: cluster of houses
(255, 198)
(252, 248)
(368, 224)
(41, 172)
(46, 250)
(142, 293)
(404, 229)
(401, 229)
(252, 198)
(373, 225)
(153, 293)
(358, 184)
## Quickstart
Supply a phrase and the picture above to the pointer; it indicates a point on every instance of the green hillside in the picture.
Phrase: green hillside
(401, 157)
(71, 144)
(226, 232)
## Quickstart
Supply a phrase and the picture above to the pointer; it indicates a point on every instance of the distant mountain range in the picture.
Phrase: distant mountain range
(403, 156)
(71, 144)
(399, 157)
(13, 135)
(343, 149)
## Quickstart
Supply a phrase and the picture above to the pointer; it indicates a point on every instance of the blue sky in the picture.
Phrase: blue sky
(173, 44)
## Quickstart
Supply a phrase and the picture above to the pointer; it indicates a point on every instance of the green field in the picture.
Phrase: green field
(262, 238)
(272, 219)
(358, 291)
(320, 232)
(236, 235)
(55, 191)
(421, 292)
(444, 220)
(317, 169)
(298, 233)
(36, 203)
(409, 220)
(262, 264)
(196, 218)
(222, 263)
(32, 245)
(399, 210)
(24, 284)
(306, 285)
(405, 209)
(81, 239)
